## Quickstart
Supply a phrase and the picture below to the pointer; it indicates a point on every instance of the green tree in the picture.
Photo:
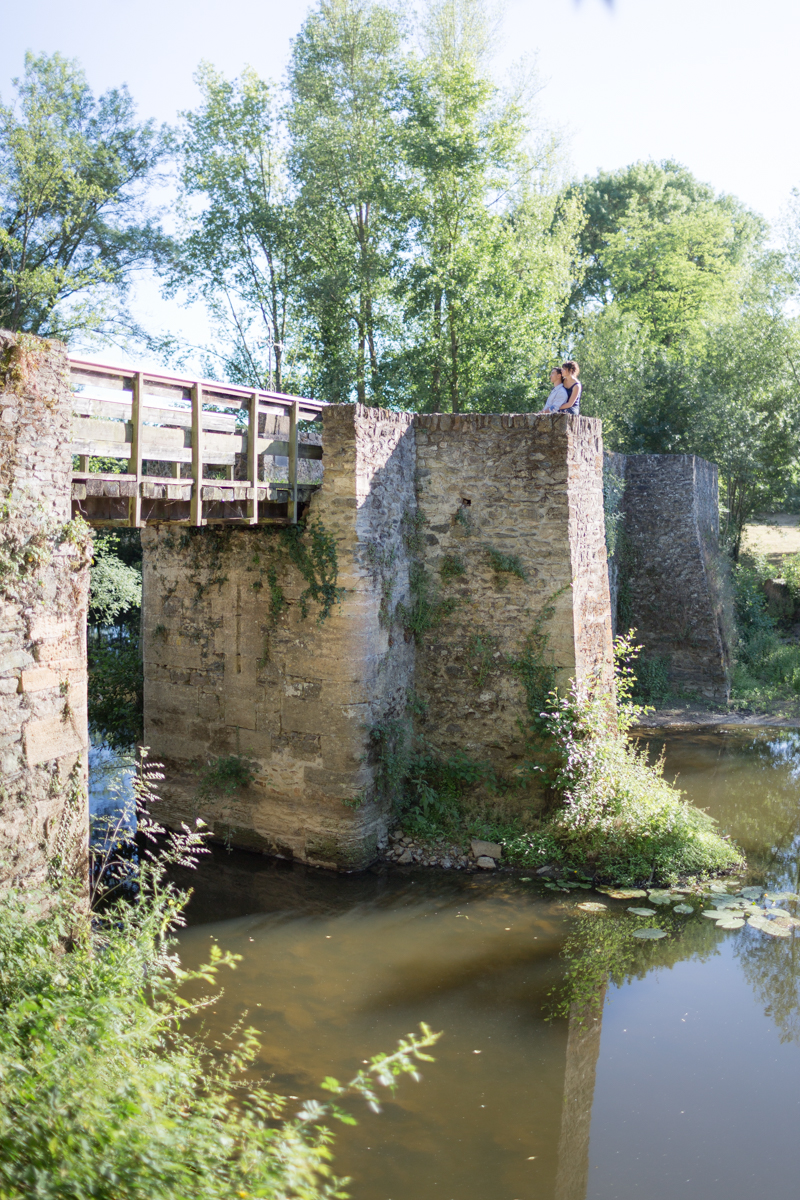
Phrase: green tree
(73, 222)
(652, 233)
(728, 392)
(344, 83)
(491, 244)
(238, 246)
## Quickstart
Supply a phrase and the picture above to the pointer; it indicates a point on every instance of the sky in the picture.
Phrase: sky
(710, 83)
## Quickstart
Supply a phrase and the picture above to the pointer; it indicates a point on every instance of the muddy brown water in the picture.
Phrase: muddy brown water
(688, 1085)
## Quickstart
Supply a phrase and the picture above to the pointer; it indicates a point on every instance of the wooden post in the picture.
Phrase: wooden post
(196, 517)
(83, 463)
(176, 470)
(135, 460)
(294, 413)
(252, 458)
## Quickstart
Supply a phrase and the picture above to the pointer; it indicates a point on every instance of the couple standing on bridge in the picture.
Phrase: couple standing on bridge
(566, 394)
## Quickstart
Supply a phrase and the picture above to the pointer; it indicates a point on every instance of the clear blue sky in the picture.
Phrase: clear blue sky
(712, 83)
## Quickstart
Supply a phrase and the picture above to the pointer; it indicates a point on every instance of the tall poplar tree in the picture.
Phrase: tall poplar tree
(491, 246)
(344, 82)
(238, 246)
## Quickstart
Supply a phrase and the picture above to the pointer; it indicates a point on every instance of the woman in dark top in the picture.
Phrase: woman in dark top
(570, 372)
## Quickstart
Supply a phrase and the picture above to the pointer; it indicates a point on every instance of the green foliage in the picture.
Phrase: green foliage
(395, 234)
(452, 567)
(428, 608)
(238, 249)
(618, 816)
(505, 564)
(483, 653)
(115, 585)
(116, 681)
(105, 1093)
(652, 681)
(766, 667)
(790, 570)
(73, 224)
(312, 550)
(226, 774)
(116, 690)
(685, 336)
(661, 244)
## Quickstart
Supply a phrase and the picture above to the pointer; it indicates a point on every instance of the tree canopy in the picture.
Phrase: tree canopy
(73, 222)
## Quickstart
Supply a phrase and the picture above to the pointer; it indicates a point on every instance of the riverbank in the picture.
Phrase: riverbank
(685, 718)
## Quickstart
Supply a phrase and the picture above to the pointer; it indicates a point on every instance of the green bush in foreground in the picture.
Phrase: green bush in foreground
(618, 816)
(104, 1097)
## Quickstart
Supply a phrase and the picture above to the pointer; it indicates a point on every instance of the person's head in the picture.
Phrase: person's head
(570, 370)
(556, 377)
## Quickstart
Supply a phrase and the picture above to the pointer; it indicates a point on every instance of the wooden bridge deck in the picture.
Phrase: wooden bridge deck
(191, 426)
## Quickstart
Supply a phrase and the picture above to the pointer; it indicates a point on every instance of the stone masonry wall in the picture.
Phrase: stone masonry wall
(672, 568)
(528, 486)
(297, 697)
(615, 463)
(43, 601)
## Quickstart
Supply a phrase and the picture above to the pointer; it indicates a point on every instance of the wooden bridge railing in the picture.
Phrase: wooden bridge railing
(178, 430)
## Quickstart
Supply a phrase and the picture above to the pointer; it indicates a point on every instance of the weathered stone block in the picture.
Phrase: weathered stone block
(38, 678)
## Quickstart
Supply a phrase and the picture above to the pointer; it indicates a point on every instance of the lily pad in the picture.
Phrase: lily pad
(593, 906)
(731, 923)
(777, 928)
(713, 913)
(642, 912)
(525, 879)
(649, 934)
(778, 912)
(659, 899)
(684, 909)
(780, 897)
(752, 893)
(716, 885)
(626, 893)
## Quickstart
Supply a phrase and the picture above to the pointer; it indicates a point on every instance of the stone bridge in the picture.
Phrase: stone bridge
(436, 556)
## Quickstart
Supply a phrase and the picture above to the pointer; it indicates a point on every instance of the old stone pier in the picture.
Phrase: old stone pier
(438, 551)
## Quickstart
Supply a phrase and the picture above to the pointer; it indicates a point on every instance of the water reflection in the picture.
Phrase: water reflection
(624, 1098)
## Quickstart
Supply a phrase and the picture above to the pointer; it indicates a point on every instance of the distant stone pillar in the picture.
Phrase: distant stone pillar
(671, 574)
(44, 582)
(514, 545)
(226, 676)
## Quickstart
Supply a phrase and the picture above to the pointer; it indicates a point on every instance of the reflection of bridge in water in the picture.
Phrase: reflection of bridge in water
(182, 450)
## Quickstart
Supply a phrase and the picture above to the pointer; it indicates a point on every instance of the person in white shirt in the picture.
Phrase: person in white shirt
(570, 372)
(558, 396)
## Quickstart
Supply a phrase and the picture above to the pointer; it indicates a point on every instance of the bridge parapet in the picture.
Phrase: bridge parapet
(201, 433)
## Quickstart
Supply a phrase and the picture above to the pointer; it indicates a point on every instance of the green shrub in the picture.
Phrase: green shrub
(652, 681)
(228, 773)
(105, 1096)
(766, 668)
(618, 816)
(505, 564)
(452, 567)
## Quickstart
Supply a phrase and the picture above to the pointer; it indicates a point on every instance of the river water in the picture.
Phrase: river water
(686, 1085)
